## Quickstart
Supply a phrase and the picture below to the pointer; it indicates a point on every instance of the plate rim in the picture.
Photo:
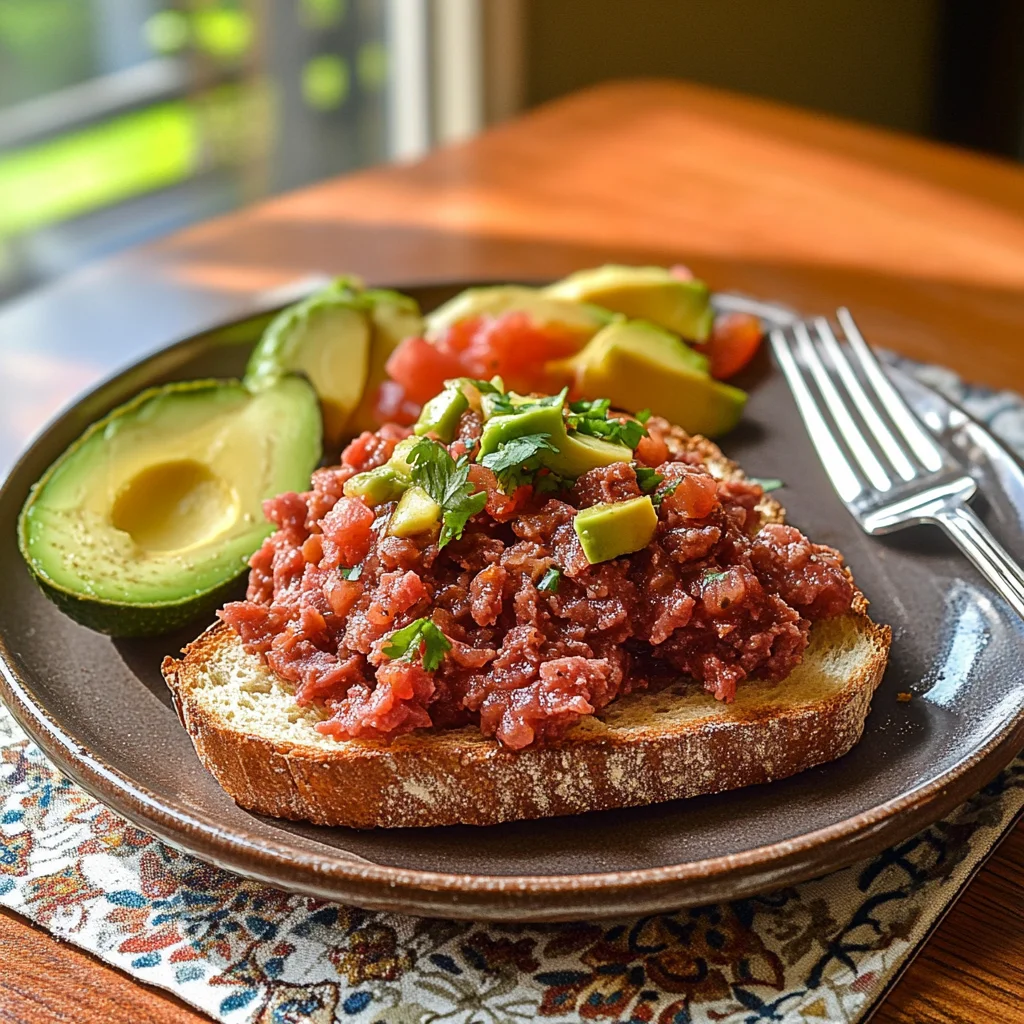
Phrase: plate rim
(394, 887)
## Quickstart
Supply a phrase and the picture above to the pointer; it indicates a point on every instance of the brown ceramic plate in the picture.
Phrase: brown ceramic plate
(99, 708)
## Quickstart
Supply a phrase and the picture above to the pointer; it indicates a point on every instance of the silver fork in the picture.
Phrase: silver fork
(885, 466)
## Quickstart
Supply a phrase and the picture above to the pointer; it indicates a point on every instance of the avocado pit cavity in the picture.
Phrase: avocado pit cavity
(174, 506)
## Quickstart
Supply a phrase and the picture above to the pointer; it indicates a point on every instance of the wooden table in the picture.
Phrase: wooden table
(926, 244)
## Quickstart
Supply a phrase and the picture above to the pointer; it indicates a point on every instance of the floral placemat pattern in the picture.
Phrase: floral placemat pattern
(821, 952)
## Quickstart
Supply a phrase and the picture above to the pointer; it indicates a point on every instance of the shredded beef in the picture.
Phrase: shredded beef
(713, 596)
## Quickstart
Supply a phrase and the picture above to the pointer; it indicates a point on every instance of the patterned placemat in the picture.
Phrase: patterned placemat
(823, 951)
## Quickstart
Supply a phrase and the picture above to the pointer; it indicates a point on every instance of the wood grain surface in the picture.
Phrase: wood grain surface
(924, 243)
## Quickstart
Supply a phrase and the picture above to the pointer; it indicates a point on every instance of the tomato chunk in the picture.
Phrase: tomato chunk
(733, 342)
(422, 368)
(511, 346)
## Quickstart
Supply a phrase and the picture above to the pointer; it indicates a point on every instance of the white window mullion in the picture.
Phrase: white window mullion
(408, 41)
(458, 48)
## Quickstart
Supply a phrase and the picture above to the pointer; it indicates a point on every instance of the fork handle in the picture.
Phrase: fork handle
(991, 559)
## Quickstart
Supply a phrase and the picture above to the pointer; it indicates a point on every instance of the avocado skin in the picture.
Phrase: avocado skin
(133, 620)
(120, 620)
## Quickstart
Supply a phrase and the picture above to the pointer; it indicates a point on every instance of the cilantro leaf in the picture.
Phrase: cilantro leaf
(647, 478)
(595, 408)
(551, 483)
(767, 484)
(422, 638)
(447, 482)
(643, 416)
(592, 417)
(514, 461)
(485, 387)
(352, 574)
(550, 580)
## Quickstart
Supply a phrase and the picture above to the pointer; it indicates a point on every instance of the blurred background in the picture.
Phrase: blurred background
(122, 120)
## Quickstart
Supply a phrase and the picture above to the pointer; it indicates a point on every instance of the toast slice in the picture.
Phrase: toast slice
(643, 748)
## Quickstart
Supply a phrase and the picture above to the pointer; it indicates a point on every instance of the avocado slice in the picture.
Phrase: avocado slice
(393, 318)
(614, 529)
(643, 293)
(148, 518)
(327, 337)
(576, 453)
(543, 310)
(638, 365)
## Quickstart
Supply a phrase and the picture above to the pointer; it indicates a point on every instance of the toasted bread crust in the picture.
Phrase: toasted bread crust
(458, 776)
(642, 749)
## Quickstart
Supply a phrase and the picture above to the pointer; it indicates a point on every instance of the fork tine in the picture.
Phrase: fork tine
(844, 478)
(923, 446)
(848, 430)
(868, 412)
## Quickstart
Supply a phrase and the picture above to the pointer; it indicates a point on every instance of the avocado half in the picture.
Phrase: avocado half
(147, 520)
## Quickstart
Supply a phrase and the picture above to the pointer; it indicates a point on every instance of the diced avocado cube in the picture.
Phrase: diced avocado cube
(646, 293)
(440, 416)
(377, 486)
(536, 419)
(416, 513)
(617, 528)
(575, 454)
(579, 452)
(400, 456)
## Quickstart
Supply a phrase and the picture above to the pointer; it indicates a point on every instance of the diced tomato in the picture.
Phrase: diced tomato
(694, 496)
(516, 349)
(652, 451)
(422, 368)
(500, 506)
(346, 533)
(526, 356)
(392, 406)
(733, 342)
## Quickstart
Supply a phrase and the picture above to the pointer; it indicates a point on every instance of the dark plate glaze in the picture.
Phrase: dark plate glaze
(99, 709)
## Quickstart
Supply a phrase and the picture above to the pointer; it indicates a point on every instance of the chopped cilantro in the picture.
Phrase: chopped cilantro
(447, 482)
(421, 638)
(767, 484)
(352, 574)
(591, 417)
(550, 580)
(660, 495)
(499, 403)
(710, 576)
(647, 478)
(597, 407)
(643, 416)
(514, 462)
(554, 401)
(551, 483)
(485, 387)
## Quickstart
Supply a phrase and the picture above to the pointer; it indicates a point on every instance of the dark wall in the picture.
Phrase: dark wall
(950, 69)
(866, 59)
